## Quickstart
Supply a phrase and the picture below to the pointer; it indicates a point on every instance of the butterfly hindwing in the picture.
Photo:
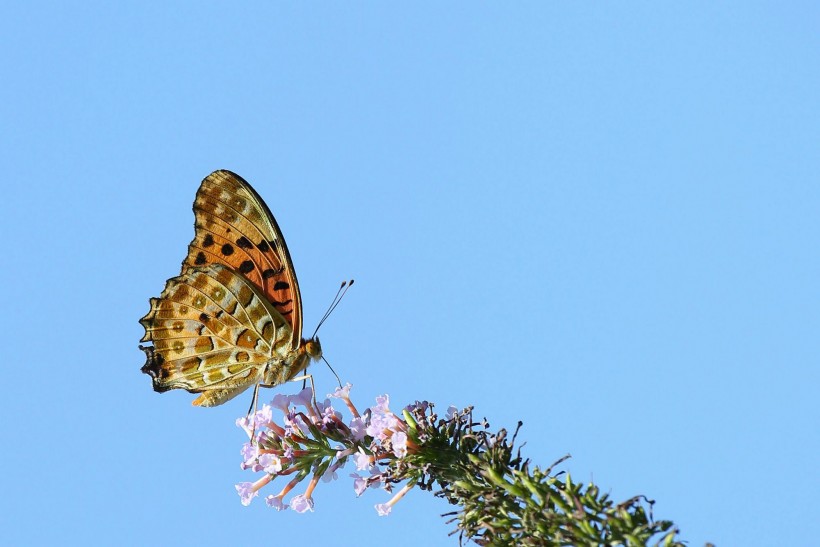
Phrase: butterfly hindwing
(213, 332)
(234, 227)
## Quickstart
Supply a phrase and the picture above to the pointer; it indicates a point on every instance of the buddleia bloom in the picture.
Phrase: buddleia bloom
(502, 500)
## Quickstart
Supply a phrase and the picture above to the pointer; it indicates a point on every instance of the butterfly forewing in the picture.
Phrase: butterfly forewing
(234, 227)
(213, 331)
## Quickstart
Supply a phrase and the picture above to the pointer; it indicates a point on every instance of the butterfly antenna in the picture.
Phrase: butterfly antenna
(333, 371)
(336, 299)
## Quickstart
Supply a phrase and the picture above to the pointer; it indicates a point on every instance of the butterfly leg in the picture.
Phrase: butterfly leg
(254, 400)
(252, 411)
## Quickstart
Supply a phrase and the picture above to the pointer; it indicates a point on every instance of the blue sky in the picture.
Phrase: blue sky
(598, 218)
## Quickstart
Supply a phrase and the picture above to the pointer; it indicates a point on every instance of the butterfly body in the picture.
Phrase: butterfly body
(233, 317)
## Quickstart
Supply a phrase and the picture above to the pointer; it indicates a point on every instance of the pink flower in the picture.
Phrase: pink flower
(381, 421)
(250, 452)
(328, 413)
(382, 403)
(281, 402)
(383, 509)
(304, 440)
(303, 398)
(399, 441)
(246, 492)
(363, 461)
(342, 392)
(301, 503)
(359, 484)
(357, 428)
(269, 463)
(276, 503)
(245, 423)
(263, 416)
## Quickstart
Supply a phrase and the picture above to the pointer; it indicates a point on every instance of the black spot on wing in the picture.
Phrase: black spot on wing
(281, 286)
(244, 243)
(227, 249)
(200, 259)
(208, 240)
(246, 267)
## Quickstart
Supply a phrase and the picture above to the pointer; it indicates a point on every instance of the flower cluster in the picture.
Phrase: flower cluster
(502, 498)
(315, 441)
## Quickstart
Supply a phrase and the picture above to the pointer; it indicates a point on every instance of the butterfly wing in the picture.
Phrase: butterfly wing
(214, 333)
(234, 227)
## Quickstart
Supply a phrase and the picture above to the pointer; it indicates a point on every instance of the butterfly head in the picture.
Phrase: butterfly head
(313, 348)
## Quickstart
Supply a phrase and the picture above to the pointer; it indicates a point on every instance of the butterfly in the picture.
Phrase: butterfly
(232, 319)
